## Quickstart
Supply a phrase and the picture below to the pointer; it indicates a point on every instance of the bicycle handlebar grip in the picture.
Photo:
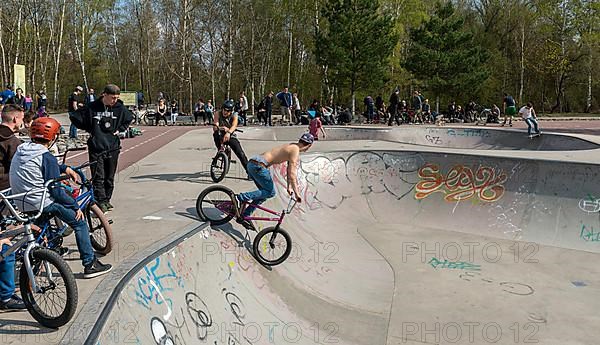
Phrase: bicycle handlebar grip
(59, 179)
(81, 148)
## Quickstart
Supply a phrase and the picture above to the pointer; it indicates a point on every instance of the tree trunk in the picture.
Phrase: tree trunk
(588, 105)
(522, 79)
(19, 18)
(2, 51)
(229, 48)
(115, 43)
(57, 53)
(289, 65)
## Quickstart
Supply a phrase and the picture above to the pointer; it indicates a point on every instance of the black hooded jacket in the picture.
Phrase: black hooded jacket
(102, 122)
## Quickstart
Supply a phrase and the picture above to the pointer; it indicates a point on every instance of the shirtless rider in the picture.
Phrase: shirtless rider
(258, 170)
(224, 125)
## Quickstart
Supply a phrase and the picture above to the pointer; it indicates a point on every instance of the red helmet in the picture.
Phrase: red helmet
(44, 128)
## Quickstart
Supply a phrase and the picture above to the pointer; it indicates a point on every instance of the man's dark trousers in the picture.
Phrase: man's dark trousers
(103, 174)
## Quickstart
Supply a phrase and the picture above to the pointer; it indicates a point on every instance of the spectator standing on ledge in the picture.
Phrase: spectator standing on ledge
(370, 109)
(91, 96)
(28, 102)
(104, 119)
(268, 101)
(394, 101)
(243, 107)
(7, 94)
(73, 105)
(510, 108)
(297, 109)
(18, 98)
(286, 101)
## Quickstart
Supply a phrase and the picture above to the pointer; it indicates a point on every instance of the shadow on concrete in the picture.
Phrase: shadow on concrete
(241, 238)
(199, 177)
(9, 326)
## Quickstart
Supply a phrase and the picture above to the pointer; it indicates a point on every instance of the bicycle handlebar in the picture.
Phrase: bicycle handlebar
(291, 204)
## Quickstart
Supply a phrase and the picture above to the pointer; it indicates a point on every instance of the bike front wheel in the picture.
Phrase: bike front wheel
(219, 167)
(272, 246)
(100, 230)
(55, 303)
(216, 205)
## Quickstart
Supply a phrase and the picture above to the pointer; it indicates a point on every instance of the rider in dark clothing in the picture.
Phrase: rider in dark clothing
(224, 126)
(394, 101)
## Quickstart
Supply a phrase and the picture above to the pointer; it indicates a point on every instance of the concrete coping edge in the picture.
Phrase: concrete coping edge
(87, 326)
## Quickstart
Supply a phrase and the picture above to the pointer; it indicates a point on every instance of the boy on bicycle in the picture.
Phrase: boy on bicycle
(224, 125)
(31, 167)
(258, 169)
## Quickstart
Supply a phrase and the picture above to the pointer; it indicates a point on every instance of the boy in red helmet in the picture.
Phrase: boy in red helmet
(31, 167)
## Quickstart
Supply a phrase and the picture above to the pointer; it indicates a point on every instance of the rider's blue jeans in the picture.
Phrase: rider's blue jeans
(7, 275)
(82, 232)
(72, 131)
(263, 180)
(532, 124)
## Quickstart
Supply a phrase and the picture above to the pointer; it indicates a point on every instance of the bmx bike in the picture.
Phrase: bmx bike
(271, 246)
(53, 230)
(221, 162)
(48, 286)
(483, 116)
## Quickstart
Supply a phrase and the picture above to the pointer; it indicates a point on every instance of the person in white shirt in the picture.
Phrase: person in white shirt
(297, 109)
(528, 114)
(243, 107)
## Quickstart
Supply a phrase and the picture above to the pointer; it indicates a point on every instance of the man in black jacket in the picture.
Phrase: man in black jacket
(104, 119)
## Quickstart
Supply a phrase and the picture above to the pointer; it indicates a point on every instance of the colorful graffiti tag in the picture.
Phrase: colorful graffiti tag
(460, 183)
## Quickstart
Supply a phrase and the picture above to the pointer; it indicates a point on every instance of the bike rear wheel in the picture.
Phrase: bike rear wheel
(272, 246)
(100, 230)
(216, 205)
(219, 167)
(55, 304)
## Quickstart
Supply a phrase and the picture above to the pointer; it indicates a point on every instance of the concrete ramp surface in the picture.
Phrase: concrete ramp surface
(472, 138)
(389, 247)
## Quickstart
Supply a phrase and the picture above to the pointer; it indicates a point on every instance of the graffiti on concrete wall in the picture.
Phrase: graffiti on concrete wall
(461, 183)
(589, 234)
(327, 182)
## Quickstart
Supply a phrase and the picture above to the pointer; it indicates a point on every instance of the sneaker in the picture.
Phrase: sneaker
(246, 223)
(96, 269)
(13, 303)
(109, 205)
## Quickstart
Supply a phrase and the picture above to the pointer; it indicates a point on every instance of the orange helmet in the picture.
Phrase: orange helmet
(44, 128)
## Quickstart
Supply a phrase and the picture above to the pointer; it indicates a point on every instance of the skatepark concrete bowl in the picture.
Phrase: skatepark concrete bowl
(478, 138)
(391, 246)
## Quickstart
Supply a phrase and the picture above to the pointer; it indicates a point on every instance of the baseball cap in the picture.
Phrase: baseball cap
(79, 88)
(307, 138)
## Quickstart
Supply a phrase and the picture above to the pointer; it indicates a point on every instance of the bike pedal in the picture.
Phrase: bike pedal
(233, 162)
(110, 221)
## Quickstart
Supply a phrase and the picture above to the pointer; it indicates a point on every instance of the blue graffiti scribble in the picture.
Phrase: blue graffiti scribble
(146, 292)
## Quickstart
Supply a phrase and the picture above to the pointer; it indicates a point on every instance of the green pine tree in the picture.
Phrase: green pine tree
(355, 43)
(445, 56)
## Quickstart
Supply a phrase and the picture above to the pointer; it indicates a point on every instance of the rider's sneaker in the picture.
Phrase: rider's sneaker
(13, 303)
(95, 269)
(246, 223)
(109, 205)
(103, 207)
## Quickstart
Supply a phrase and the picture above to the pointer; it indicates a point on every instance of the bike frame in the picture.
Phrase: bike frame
(29, 238)
(83, 200)
(278, 219)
